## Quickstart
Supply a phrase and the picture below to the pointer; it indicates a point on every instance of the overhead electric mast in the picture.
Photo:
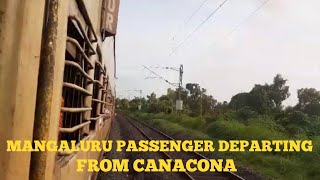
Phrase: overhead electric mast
(179, 102)
(140, 103)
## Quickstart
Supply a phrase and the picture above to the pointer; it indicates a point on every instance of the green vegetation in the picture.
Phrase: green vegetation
(258, 114)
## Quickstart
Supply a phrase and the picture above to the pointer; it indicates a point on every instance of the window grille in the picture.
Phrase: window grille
(77, 64)
(98, 87)
(84, 78)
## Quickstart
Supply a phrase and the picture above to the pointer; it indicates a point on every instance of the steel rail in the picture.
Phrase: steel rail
(167, 136)
(166, 154)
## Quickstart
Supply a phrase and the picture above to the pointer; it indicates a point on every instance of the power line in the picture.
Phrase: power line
(159, 67)
(198, 27)
(247, 18)
(187, 20)
(150, 77)
(173, 84)
(244, 20)
(168, 68)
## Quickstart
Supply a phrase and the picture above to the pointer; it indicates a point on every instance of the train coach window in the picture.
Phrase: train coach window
(98, 90)
(104, 94)
(76, 78)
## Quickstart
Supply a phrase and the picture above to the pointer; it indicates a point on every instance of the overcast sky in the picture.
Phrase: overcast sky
(282, 37)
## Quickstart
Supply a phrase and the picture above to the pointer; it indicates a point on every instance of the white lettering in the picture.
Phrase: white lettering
(111, 5)
(109, 21)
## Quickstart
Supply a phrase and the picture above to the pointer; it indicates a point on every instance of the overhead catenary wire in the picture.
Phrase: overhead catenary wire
(247, 18)
(189, 18)
(182, 42)
(167, 68)
(173, 84)
(236, 27)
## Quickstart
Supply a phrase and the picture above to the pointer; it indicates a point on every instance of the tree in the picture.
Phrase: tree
(165, 104)
(152, 103)
(184, 94)
(208, 104)
(309, 101)
(308, 96)
(134, 103)
(123, 104)
(239, 100)
(192, 87)
(312, 109)
(259, 99)
(171, 94)
(194, 100)
(199, 102)
(271, 96)
(152, 97)
(263, 98)
(144, 104)
(245, 113)
(278, 91)
(295, 122)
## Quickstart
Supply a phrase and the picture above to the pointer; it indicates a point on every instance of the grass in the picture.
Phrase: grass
(297, 165)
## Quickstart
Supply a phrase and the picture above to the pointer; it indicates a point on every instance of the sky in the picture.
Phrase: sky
(281, 37)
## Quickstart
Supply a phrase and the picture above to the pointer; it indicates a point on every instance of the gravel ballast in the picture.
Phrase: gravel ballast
(122, 130)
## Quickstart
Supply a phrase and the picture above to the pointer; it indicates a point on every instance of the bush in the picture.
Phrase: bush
(245, 113)
(297, 118)
(300, 165)
(259, 129)
(294, 129)
(210, 119)
(295, 122)
(312, 109)
(313, 128)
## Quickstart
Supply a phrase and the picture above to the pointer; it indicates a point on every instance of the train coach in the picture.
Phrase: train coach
(57, 81)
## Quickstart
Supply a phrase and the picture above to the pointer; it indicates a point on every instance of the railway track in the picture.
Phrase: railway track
(152, 133)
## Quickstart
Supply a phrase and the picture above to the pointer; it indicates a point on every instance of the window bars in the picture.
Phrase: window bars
(85, 84)
(77, 64)
(98, 88)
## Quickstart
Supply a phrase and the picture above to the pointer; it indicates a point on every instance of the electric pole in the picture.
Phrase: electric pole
(179, 102)
(201, 107)
(180, 81)
(140, 102)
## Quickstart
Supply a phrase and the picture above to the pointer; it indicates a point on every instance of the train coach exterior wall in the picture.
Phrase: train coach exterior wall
(92, 6)
(67, 168)
(20, 41)
(57, 83)
(21, 23)
(107, 48)
(108, 44)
